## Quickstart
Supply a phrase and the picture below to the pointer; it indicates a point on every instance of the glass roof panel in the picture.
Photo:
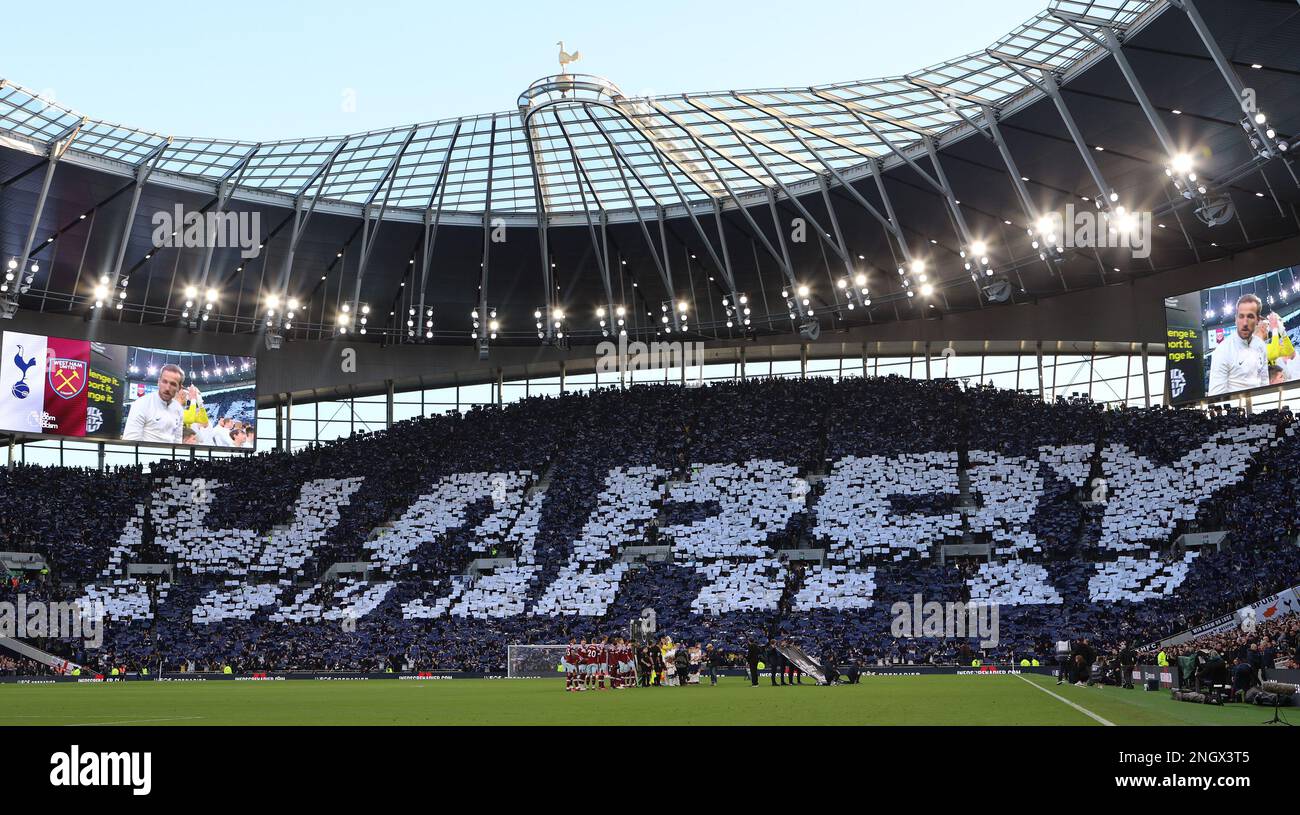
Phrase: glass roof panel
(603, 150)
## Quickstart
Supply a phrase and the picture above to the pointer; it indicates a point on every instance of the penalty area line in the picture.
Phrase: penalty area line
(1059, 697)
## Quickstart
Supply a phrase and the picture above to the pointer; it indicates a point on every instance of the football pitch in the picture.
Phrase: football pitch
(879, 700)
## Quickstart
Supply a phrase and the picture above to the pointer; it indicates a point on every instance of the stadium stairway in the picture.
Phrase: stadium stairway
(542, 483)
(793, 584)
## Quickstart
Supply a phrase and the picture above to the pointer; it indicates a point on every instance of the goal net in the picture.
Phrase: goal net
(534, 660)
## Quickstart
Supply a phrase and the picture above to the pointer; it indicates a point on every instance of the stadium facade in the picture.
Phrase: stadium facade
(491, 254)
(914, 302)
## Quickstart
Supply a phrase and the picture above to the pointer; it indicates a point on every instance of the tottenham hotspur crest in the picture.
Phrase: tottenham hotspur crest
(21, 389)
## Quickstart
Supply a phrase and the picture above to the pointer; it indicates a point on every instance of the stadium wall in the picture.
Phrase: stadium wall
(346, 676)
(1111, 319)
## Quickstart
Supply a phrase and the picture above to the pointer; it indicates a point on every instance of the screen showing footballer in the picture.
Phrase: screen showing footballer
(81, 388)
(1235, 337)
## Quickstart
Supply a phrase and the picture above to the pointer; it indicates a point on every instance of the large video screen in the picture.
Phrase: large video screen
(1234, 337)
(81, 388)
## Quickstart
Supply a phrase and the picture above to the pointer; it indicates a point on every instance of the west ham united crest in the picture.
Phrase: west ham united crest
(67, 377)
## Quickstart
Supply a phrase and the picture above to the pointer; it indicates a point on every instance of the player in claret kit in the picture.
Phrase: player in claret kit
(596, 656)
(586, 659)
(571, 666)
(626, 664)
(602, 663)
(586, 664)
(614, 660)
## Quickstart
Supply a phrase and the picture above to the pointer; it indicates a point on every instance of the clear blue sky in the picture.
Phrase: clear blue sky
(272, 69)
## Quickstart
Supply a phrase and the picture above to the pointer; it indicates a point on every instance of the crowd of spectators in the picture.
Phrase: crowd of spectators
(1273, 643)
(18, 665)
(876, 472)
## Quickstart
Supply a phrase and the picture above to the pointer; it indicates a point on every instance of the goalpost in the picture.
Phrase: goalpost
(534, 660)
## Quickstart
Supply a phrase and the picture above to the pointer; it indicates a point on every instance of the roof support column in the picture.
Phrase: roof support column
(745, 137)
(143, 170)
(731, 193)
(889, 223)
(548, 289)
(722, 263)
(722, 241)
(485, 328)
(229, 181)
(301, 217)
(1234, 82)
(369, 232)
(432, 217)
(661, 264)
(1017, 180)
(963, 231)
(878, 175)
(54, 151)
(1110, 41)
(1048, 84)
(843, 250)
(597, 246)
(780, 237)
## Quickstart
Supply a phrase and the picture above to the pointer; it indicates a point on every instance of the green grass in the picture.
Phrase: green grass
(896, 700)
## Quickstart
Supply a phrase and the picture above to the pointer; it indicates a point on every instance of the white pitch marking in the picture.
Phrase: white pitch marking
(135, 721)
(1079, 708)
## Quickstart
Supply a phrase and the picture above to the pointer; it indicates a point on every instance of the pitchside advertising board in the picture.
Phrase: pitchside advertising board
(57, 386)
(1206, 357)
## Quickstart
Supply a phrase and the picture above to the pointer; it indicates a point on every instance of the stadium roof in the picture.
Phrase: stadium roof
(579, 140)
(691, 197)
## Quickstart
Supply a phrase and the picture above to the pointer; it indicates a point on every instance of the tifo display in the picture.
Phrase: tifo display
(734, 515)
